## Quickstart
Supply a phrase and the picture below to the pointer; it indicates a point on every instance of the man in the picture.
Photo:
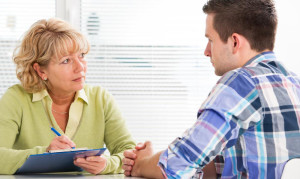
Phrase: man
(249, 124)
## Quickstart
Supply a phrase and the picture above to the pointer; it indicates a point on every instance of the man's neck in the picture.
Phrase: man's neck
(249, 55)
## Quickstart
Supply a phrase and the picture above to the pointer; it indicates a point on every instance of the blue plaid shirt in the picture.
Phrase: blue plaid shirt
(249, 125)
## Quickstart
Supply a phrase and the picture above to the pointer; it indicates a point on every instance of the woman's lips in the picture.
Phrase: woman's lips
(79, 79)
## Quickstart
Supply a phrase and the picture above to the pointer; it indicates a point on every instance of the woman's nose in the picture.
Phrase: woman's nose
(79, 65)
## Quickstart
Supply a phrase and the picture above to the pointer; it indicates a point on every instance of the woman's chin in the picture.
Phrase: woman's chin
(79, 86)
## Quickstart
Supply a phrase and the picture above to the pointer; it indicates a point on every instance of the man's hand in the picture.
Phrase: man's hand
(142, 156)
(131, 156)
(61, 142)
(128, 161)
(93, 164)
(141, 162)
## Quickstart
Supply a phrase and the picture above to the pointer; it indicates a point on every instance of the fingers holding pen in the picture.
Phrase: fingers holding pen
(66, 140)
(61, 142)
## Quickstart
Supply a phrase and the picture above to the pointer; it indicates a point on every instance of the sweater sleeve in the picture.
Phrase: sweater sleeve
(117, 137)
(10, 121)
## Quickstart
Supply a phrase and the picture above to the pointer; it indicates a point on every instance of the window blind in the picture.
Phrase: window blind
(16, 16)
(149, 55)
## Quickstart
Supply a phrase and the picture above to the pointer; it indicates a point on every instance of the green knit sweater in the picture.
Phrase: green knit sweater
(25, 130)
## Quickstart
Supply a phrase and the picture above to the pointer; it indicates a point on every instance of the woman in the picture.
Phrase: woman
(52, 69)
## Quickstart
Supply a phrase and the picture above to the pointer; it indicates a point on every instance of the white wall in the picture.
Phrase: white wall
(288, 35)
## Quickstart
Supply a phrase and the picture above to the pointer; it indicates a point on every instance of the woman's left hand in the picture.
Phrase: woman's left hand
(93, 164)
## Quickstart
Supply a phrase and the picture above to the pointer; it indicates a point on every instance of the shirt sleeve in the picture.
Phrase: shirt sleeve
(117, 137)
(230, 109)
(10, 121)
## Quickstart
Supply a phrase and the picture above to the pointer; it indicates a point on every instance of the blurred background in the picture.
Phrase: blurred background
(147, 53)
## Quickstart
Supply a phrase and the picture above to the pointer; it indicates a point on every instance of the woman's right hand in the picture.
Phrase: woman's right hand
(61, 142)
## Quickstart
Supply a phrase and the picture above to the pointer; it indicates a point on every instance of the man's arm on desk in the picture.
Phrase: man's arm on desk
(143, 163)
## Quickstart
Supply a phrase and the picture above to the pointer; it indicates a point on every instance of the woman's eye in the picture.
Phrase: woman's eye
(82, 55)
(66, 61)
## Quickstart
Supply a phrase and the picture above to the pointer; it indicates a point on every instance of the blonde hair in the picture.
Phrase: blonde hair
(46, 39)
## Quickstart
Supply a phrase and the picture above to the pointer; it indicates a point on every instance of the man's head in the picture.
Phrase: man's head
(256, 20)
(238, 23)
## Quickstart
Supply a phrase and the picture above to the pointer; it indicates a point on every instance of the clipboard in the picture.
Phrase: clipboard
(56, 161)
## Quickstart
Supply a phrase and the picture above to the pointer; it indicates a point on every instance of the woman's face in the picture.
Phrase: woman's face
(67, 74)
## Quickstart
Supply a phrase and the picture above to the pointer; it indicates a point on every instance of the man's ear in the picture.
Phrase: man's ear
(39, 71)
(236, 42)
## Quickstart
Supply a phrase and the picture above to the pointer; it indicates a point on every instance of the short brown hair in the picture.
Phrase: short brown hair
(46, 39)
(256, 20)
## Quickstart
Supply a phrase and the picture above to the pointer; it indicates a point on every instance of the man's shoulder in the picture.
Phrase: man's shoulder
(268, 67)
(239, 74)
(263, 68)
(237, 83)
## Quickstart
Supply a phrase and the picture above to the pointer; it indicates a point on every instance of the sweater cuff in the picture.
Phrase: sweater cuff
(113, 165)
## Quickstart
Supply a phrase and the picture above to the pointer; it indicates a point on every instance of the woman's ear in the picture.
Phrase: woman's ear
(39, 71)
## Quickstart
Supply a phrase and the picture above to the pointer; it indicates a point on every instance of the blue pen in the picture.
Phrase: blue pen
(58, 134)
(55, 131)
